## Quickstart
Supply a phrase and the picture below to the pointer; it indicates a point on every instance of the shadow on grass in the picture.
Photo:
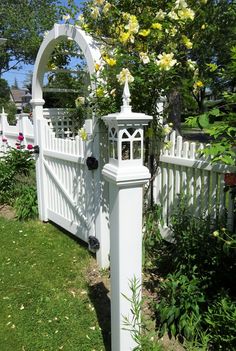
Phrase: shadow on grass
(98, 295)
(70, 235)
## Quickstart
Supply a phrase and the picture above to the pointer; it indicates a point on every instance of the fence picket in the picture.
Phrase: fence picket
(192, 174)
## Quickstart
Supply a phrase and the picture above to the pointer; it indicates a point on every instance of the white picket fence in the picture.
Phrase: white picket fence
(9, 133)
(57, 118)
(184, 170)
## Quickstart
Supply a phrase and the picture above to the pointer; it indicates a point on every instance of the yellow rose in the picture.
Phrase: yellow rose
(110, 61)
(124, 37)
(166, 61)
(144, 32)
(100, 92)
(186, 14)
(106, 8)
(157, 25)
(198, 84)
(123, 75)
(83, 134)
(187, 42)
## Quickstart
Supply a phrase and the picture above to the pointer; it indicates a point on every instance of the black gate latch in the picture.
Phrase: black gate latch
(92, 163)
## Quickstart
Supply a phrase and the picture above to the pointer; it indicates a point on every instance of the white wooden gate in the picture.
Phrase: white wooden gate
(69, 194)
(69, 185)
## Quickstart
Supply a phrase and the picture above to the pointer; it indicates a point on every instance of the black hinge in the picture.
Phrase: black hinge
(94, 243)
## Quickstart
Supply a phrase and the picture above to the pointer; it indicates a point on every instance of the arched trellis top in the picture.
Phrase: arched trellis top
(86, 43)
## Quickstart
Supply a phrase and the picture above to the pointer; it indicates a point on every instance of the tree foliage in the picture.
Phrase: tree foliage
(23, 24)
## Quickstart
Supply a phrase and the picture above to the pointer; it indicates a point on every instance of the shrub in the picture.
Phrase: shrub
(17, 183)
(20, 161)
(198, 266)
(179, 309)
(7, 175)
(220, 319)
(152, 237)
(196, 246)
(26, 204)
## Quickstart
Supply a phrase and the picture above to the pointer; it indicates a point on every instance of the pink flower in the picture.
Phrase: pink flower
(18, 147)
(30, 147)
(20, 137)
(4, 139)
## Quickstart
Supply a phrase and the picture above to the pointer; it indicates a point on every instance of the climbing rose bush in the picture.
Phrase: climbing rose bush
(152, 41)
(148, 43)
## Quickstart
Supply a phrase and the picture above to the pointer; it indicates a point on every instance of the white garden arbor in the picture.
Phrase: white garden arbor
(70, 194)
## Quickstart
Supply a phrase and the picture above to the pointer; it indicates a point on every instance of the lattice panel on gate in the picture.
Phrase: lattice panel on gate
(60, 122)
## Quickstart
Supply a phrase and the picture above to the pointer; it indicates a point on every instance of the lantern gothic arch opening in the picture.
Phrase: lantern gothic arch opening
(69, 194)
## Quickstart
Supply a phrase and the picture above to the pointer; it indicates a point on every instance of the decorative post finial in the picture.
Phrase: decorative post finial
(3, 111)
(126, 98)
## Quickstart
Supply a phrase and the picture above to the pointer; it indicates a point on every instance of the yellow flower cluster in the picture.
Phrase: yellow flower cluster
(157, 25)
(144, 32)
(181, 11)
(109, 60)
(97, 6)
(198, 84)
(187, 42)
(125, 75)
(95, 12)
(106, 8)
(186, 14)
(160, 15)
(132, 27)
(166, 61)
(124, 37)
(83, 134)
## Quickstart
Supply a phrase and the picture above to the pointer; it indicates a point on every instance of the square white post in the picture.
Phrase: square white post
(126, 176)
(39, 139)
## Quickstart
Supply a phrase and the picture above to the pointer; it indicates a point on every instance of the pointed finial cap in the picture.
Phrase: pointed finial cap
(126, 108)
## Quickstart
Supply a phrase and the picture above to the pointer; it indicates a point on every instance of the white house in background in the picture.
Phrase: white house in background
(21, 98)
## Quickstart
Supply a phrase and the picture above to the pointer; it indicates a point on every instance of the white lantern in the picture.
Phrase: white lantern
(125, 130)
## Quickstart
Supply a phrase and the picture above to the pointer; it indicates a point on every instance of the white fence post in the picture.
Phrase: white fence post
(39, 139)
(3, 128)
(126, 176)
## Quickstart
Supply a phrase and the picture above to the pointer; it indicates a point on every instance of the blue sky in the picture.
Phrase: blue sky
(24, 70)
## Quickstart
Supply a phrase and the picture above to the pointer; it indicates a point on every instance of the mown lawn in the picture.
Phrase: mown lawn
(44, 302)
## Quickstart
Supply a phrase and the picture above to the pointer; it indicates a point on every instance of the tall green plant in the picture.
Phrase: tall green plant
(180, 305)
(26, 203)
(220, 319)
(145, 339)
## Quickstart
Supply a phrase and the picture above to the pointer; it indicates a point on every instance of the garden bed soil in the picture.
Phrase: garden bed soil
(99, 287)
(7, 212)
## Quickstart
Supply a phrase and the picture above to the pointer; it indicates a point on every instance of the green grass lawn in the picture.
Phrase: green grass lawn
(44, 301)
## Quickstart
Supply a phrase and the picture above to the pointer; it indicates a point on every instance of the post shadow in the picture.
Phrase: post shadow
(98, 295)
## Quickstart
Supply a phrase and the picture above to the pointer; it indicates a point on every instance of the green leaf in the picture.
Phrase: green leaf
(215, 112)
(203, 120)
